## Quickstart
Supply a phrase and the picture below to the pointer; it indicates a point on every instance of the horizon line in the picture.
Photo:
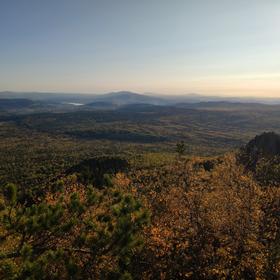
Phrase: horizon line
(142, 93)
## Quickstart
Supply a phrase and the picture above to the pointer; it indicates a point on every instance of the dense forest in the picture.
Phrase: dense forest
(140, 192)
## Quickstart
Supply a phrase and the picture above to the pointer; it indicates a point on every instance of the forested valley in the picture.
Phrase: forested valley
(140, 192)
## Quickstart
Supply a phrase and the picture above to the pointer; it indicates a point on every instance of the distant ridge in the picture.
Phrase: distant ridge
(227, 105)
(127, 97)
(17, 103)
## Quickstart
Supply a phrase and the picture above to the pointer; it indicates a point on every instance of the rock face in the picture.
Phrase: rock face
(266, 145)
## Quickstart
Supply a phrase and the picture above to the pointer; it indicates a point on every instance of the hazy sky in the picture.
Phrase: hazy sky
(167, 46)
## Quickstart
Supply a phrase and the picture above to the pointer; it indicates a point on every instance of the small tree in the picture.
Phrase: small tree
(180, 148)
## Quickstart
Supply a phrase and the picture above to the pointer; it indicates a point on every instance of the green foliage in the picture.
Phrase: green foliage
(180, 148)
(10, 193)
(97, 171)
(61, 236)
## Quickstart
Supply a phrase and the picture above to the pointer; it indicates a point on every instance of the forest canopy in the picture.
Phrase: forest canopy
(186, 218)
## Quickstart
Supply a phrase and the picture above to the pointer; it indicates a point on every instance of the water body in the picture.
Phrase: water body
(75, 104)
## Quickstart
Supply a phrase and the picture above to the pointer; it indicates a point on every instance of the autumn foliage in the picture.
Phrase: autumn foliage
(195, 218)
(217, 224)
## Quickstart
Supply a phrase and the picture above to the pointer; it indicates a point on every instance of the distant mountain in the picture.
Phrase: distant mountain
(102, 105)
(24, 105)
(8, 104)
(125, 97)
(197, 98)
(227, 106)
(111, 99)
(122, 98)
(49, 96)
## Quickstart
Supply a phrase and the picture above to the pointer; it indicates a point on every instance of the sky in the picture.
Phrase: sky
(212, 47)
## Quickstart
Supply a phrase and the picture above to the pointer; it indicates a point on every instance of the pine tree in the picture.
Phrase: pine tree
(76, 233)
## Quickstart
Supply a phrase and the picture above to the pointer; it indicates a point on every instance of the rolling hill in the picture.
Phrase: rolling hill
(125, 97)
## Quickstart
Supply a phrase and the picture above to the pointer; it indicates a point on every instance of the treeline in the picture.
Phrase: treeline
(118, 135)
